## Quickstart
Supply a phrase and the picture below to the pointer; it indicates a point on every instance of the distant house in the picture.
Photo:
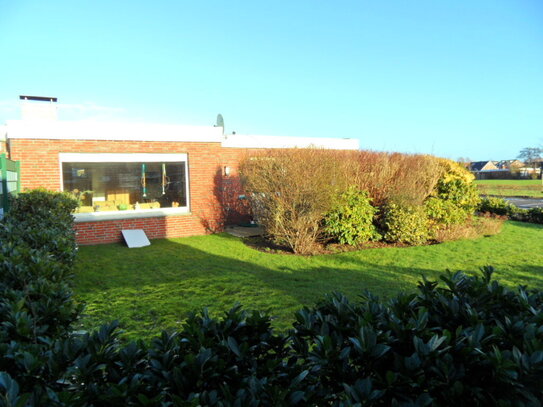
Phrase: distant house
(478, 166)
(505, 169)
(488, 170)
(510, 165)
(532, 169)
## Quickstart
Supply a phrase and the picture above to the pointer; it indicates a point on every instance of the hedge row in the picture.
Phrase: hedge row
(467, 341)
(501, 207)
(306, 197)
(37, 310)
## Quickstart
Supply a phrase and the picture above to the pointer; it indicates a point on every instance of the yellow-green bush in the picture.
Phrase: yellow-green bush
(351, 219)
(444, 213)
(405, 224)
(455, 184)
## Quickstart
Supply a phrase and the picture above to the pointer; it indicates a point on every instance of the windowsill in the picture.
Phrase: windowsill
(129, 214)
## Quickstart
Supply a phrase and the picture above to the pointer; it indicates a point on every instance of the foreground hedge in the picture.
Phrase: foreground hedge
(37, 251)
(467, 341)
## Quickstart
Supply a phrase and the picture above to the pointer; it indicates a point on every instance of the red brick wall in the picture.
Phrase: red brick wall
(40, 168)
(109, 231)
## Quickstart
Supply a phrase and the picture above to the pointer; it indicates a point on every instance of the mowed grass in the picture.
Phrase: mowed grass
(153, 288)
(508, 187)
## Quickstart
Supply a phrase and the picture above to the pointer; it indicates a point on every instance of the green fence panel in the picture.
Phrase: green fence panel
(10, 181)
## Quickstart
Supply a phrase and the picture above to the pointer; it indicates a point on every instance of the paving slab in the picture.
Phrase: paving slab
(245, 231)
(135, 238)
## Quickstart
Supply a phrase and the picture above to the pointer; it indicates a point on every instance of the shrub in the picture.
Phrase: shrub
(470, 341)
(405, 178)
(41, 205)
(444, 213)
(291, 190)
(36, 305)
(535, 215)
(497, 206)
(351, 219)
(473, 228)
(456, 185)
(43, 220)
(235, 360)
(405, 224)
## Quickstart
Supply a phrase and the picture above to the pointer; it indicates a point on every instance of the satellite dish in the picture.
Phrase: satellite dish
(220, 121)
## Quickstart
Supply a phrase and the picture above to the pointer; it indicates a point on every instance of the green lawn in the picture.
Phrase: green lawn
(152, 288)
(506, 187)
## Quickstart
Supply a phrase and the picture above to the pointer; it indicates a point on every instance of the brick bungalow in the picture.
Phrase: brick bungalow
(168, 180)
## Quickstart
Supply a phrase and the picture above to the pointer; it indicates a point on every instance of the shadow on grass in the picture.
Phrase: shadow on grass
(116, 267)
(155, 287)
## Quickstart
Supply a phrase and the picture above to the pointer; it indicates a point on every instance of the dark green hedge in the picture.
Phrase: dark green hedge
(467, 341)
(499, 206)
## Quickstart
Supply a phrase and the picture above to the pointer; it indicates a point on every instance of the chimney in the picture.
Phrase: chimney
(38, 108)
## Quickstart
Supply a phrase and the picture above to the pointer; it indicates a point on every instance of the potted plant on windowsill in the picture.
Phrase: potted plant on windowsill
(82, 198)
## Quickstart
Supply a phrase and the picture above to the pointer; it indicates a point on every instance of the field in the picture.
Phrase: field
(532, 188)
(155, 287)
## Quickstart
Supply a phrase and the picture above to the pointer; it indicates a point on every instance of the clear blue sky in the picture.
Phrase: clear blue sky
(450, 77)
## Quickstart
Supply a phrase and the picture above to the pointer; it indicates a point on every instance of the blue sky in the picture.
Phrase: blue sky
(453, 78)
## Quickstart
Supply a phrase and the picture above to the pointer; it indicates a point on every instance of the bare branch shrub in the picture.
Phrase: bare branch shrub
(473, 228)
(291, 190)
(396, 177)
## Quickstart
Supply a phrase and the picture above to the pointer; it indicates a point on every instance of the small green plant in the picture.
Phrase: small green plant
(535, 215)
(497, 206)
(405, 224)
(444, 213)
(80, 196)
(351, 219)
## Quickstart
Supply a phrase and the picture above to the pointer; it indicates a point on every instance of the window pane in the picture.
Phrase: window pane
(114, 186)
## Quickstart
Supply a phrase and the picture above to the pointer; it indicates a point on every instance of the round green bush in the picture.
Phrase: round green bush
(497, 206)
(351, 219)
(444, 213)
(456, 185)
(405, 224)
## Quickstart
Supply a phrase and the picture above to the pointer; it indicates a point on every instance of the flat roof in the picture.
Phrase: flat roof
(83, 130)
(118, 131)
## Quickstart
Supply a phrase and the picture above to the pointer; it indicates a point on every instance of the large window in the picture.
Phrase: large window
(127, 182)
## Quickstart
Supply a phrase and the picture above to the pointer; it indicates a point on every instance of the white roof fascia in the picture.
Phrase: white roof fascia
(57, 130)
(120, 157)
(252, 141)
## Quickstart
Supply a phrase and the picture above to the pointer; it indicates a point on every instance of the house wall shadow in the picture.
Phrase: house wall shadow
(217, 271)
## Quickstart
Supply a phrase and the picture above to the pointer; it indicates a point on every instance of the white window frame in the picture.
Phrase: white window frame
(127, 158)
